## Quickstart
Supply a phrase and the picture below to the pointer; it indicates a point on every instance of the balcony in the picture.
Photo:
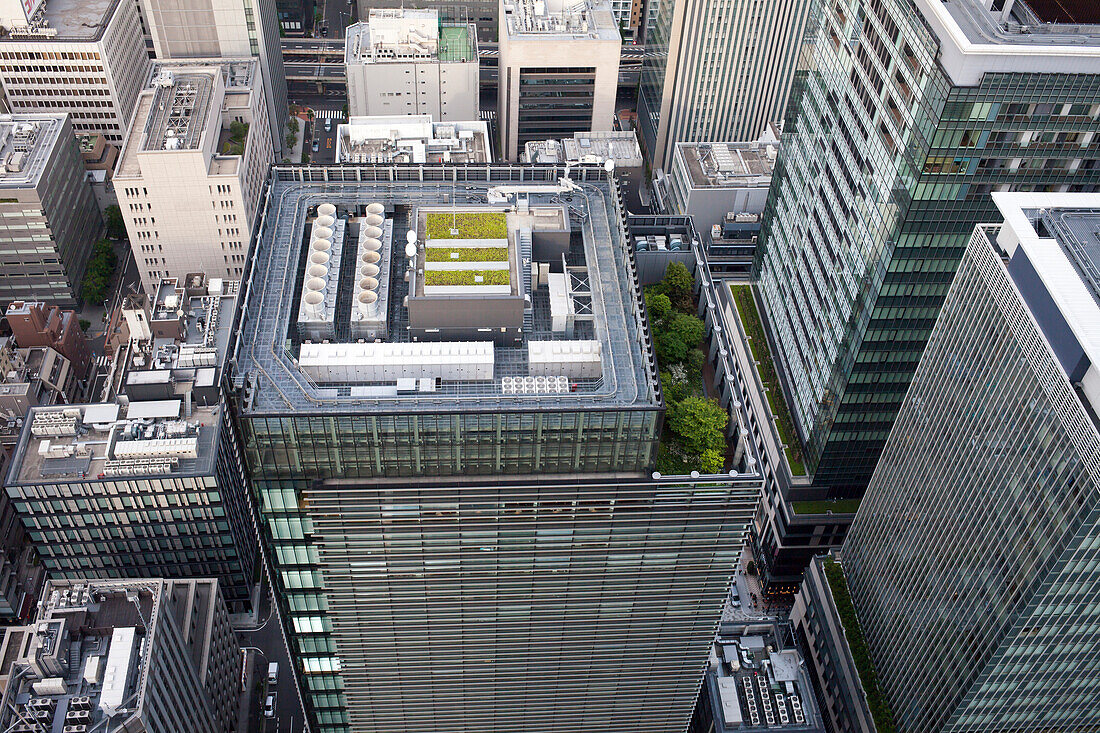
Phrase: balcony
(765, 369)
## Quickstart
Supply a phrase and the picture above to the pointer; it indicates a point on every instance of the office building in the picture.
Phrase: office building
(409, 62)
(482, 13)
(717, 182)
(545, 93)
(81, 57)
(394, 387)
(50, 215)
(827, 638)
(225, 29)
(618, 146)
(895, 140)
(756, 681)
(190, 174)
(141, 656)
(412, 139)
(716, 71)
(994, 586)
(99, 158)
(151, 477)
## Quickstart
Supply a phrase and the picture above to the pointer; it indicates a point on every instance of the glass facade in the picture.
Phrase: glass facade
(885, 167)
(976, 549)
(154, 526)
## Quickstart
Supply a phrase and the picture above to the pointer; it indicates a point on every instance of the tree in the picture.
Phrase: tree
(116, 225)
(669, 347)
(101, 267)
(658, 305)
(680, 286)
(291, 139)
(711, 461)
(700, 423)
(688, 329)
(292, 124)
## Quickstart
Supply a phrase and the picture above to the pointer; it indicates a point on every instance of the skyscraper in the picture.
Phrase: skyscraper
(973, 560)
(906, 115)
(452, 453)
(188, 29)
(716, 71)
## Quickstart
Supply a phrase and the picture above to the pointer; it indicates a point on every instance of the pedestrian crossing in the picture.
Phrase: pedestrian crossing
(328, 114)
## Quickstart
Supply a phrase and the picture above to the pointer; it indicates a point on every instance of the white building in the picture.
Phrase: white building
(405, 62)
(84, 57)
(559, 70)
(206, 29)
(189, 177)
(412, 139)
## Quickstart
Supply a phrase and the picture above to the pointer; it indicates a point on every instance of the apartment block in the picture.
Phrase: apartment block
(225, 29)
(50, 216)
(81, 57)
(151, 475)
(141, 656)
(906, 117)
(409, 62)
(558, 71)
(192, 168)
(716, 71)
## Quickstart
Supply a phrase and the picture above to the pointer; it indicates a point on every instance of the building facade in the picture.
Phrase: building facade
(463, 554)
(87, 59)
(142, 656)
(51, 219)
(205, 29)
(544, 90)
(409, 62)
(716, 70)
(991, 592)
(904, 120)
(149, 482)
(190, 174)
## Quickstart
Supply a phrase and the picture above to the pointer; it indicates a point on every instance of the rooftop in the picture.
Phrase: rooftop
(403, 35)
(757, 681)
(566, 19)
(726, 165)
(411, 139)
(26, 141)
(66, 20)
(161, 412)
(596, 147)
(88, 657)
(591, 287)
(1052, 23)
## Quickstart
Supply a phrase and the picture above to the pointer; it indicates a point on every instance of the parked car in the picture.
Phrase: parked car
(269, 706)
(273, 673)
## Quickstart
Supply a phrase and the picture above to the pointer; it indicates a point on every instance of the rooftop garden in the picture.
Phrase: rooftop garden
(861, 654)
(758, 343)
(234, 142)
(467, 225)
(694, 437)
(467, 277)
(836, 506)
(466, 254)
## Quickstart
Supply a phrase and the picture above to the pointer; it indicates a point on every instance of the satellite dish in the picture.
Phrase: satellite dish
(410, 236)
(410, 250)
(609, 165)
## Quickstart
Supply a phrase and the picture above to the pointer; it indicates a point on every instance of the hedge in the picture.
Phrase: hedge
(470, 225)
(466, 277)
(468, 254)
(861, 654)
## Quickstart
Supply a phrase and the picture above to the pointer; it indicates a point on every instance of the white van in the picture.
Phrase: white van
(272, 673)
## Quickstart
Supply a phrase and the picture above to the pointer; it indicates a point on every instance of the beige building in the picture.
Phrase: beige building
(84, 57)
(405, 62)
(559, 70)
(192, 168)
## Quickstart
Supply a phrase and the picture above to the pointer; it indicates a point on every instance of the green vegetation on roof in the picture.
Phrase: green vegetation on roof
(758, 343)
(861, 654)
(467, 254)
(455, 44)
(836, 506)
(470, 225)
(467, 277)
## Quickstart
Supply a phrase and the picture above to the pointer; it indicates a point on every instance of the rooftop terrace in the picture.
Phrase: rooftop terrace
(69, 20)
(596, 289)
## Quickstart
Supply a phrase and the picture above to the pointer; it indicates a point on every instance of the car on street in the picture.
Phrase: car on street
(324, 31)
(273, 673)
(269, 706)
(316, 145)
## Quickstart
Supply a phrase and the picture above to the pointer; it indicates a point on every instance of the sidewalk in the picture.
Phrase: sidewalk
(294, 155)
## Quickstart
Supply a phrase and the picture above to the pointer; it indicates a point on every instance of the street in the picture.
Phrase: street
(337, 15)
(322, 142)
(266, 641)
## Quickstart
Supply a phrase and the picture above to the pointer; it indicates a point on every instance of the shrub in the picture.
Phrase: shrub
(467, 254)
(657, 305)
(85, 324)
(670, 349)
(688, 329)
(466, 277)
(470, 225)
(711, 461)
(700, 423)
